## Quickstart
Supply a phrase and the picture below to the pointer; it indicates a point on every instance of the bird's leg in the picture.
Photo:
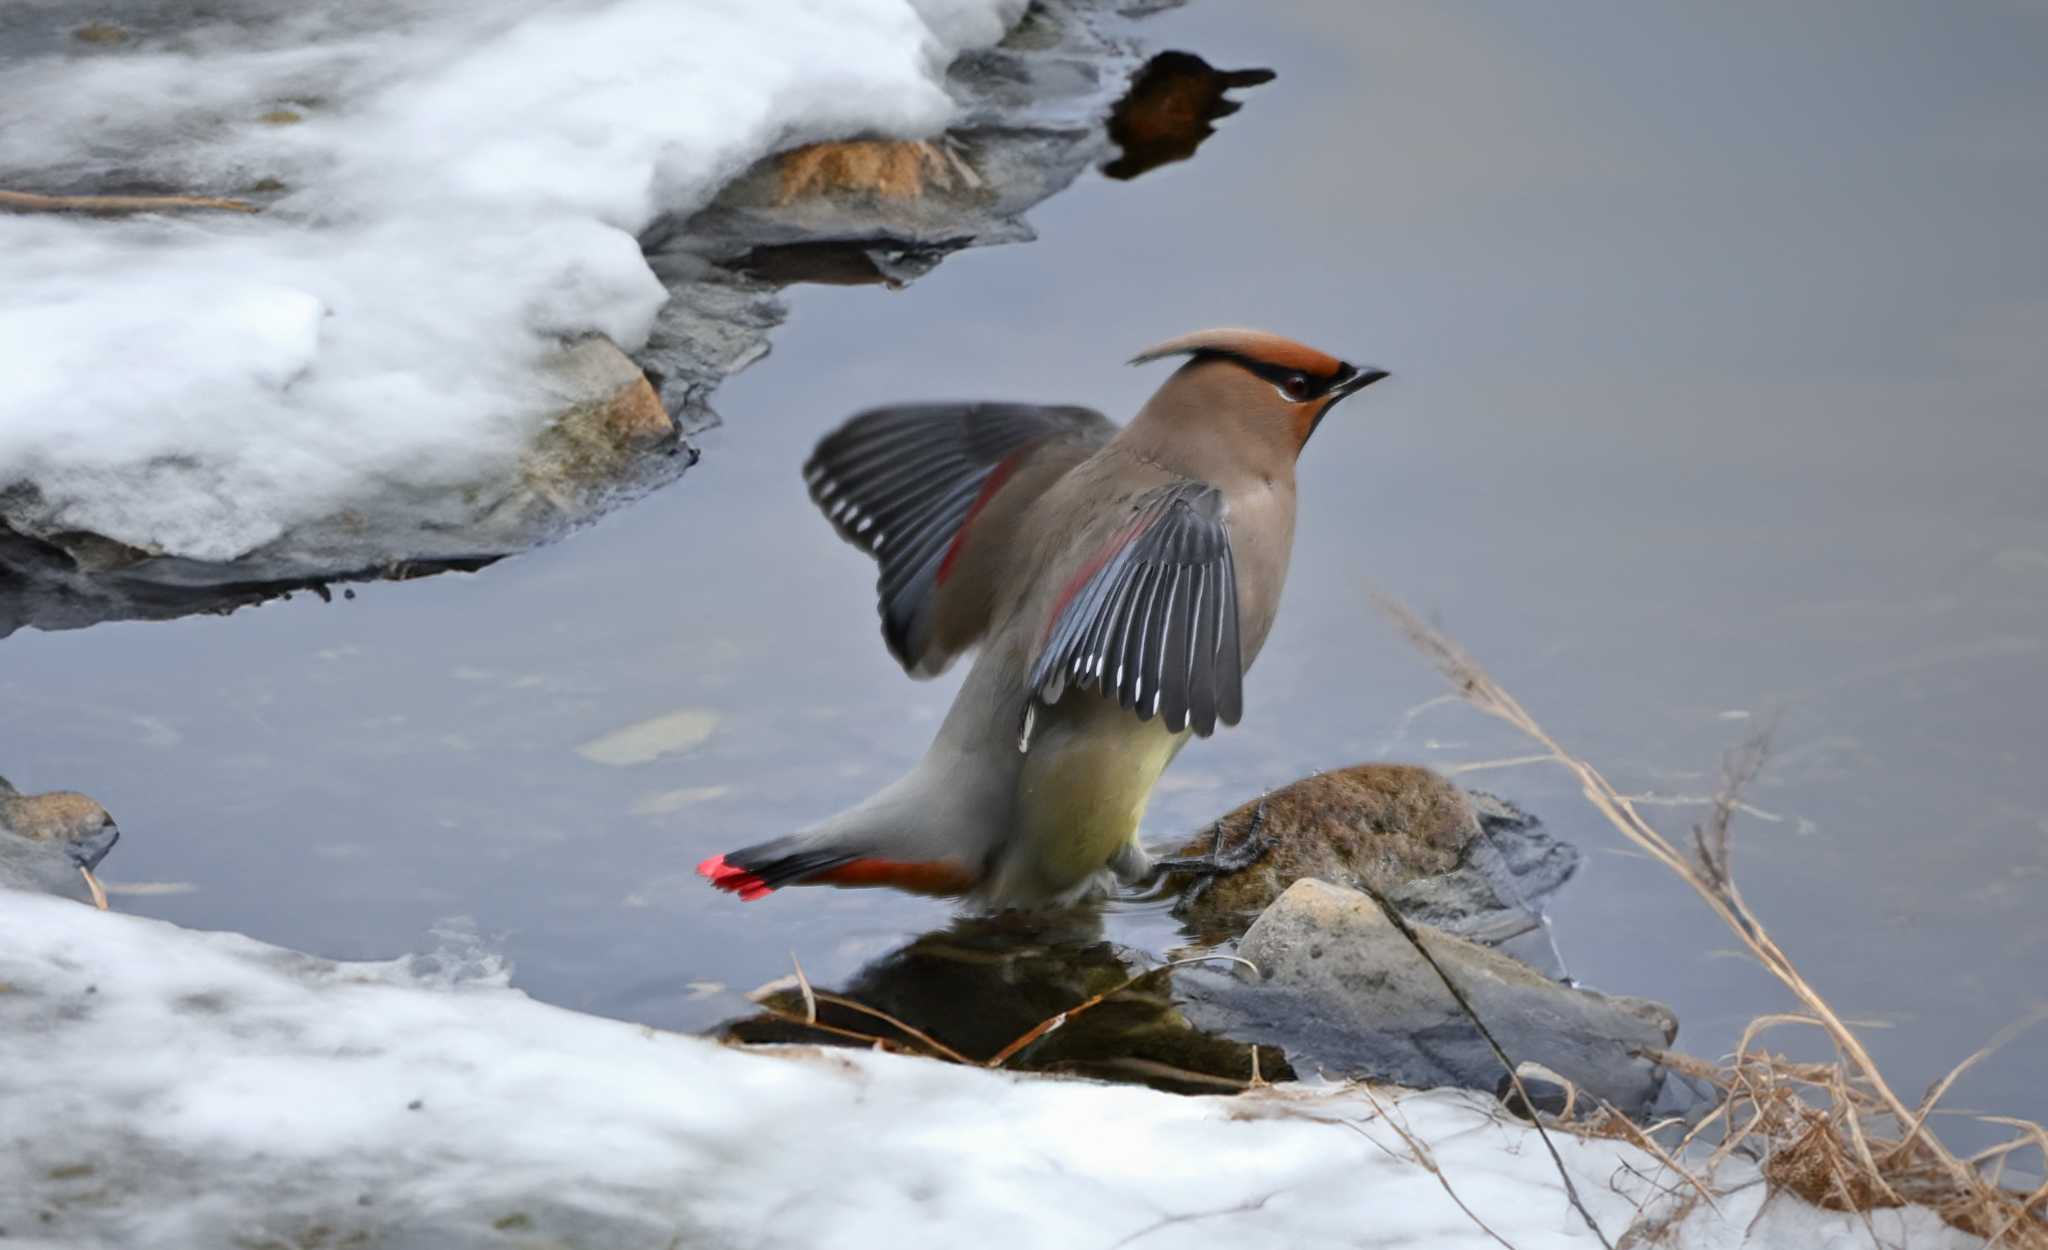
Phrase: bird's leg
(1130, 865)
(1221, 861)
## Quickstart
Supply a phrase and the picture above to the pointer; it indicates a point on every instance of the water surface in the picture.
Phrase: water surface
(1718, 397)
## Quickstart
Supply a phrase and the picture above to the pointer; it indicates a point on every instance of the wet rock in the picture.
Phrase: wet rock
(895, 169)
(610, 419)
(984, 981)
(50, 843)
(1032, 118)
(1468, 863)
(610, 424)
(1169, 109)
(1343, 992)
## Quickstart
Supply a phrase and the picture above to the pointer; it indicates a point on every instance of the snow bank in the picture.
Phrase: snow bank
(458, 186)
(165, 1088)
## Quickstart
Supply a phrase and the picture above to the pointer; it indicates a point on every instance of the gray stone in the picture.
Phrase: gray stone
(1502, 874)
(39, 867)
(44, 837)
(1341, 990)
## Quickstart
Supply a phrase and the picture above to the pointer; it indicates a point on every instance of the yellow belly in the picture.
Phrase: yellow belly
(1080, 796)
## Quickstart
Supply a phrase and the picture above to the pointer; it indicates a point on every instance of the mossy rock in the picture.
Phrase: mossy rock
(1382, 825)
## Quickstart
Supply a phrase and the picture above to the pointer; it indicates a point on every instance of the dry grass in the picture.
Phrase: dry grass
(1836, 1134)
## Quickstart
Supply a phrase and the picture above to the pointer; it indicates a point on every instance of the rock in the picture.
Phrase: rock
(610, 430)
(1033, 113)
(899, 169)
(1651, 1012)
(611, 417)
(47, 839)
(1342, 991)
(1492, 895)
(1468, 863)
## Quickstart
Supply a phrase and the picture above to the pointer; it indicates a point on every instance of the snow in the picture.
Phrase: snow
(161, 1087)
(463, 185)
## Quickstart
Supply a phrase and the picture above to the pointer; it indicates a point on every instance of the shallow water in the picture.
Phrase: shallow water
(1718, 398)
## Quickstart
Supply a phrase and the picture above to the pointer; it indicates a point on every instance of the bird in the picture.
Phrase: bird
(1114, 583)
(52, 842)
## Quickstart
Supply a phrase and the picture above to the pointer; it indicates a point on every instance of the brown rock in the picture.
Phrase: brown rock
(613, 418)
(894, 169)
(1381, 824)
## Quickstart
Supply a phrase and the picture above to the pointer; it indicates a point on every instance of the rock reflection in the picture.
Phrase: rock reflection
(1167, 113)
(982, 982)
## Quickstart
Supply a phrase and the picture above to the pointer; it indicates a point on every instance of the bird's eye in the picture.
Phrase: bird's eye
(1295, 386)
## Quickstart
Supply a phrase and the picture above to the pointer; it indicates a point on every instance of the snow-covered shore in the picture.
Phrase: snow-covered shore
(161, 1087)
(450, 191)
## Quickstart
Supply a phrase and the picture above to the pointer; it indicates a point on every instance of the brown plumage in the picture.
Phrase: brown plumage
(1117, 583)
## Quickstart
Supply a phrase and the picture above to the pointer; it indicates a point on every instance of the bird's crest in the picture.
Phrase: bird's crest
(1250, 346)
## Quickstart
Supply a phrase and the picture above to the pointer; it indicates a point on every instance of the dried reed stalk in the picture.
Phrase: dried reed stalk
(1827, 1153)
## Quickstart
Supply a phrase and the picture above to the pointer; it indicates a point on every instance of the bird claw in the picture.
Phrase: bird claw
(1221, 861)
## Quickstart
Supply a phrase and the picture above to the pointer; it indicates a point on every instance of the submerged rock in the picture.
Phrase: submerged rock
(1343, 992)
(1468, 863)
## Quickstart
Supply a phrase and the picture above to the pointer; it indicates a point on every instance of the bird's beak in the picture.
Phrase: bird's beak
(1358, 382)
(1334, 396)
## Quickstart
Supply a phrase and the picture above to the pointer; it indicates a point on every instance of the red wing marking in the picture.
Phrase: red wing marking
(996, 477)
(1118, 541)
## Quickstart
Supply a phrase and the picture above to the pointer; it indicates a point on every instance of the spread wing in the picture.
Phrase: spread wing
(1151, 618)
(905, 484)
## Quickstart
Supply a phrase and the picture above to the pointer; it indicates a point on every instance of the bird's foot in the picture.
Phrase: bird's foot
(1221, 861)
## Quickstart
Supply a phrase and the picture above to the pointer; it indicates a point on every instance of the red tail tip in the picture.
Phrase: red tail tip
(733, 879)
